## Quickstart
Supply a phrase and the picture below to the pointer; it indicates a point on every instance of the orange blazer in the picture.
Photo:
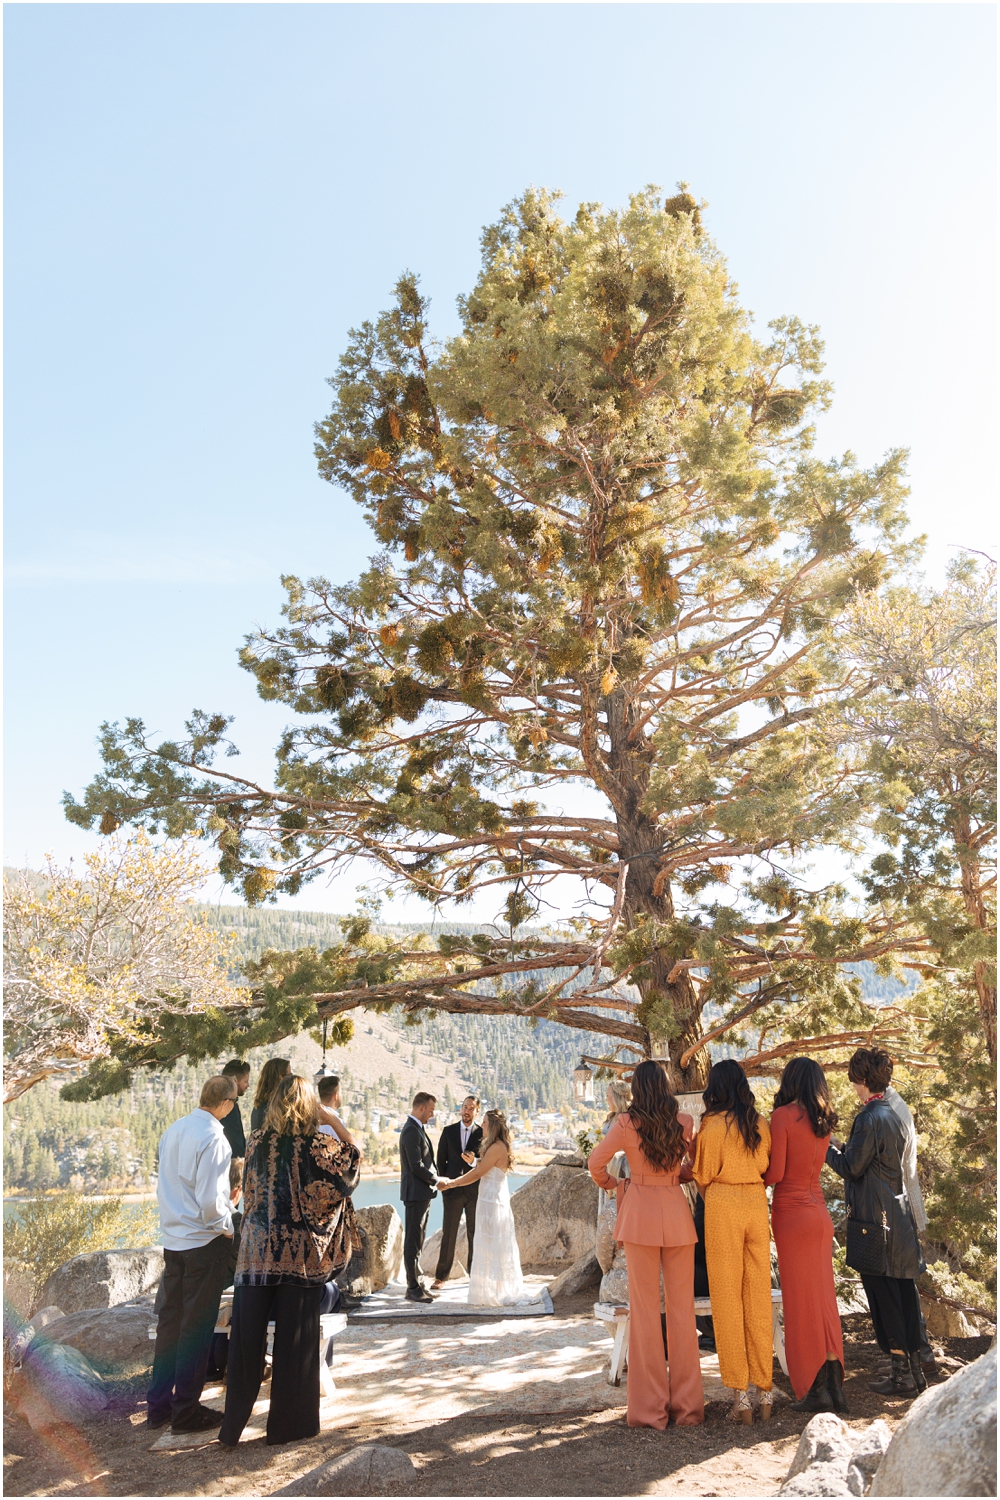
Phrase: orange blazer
(653, 1210)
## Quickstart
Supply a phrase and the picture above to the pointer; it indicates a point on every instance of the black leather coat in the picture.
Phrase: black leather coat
(871, 1164)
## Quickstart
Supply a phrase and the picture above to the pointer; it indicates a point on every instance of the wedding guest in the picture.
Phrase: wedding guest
(801, 1125)
(457, 1150)
(417, 1184)
(731, 1156)
(328, 1091)
(219, 1353)
(899, 1107)
(271, 1074)
(197, 1225)
(882, 1243)
(654, 1224)
(298, 1232)
(239, 1072)
(618, 1097)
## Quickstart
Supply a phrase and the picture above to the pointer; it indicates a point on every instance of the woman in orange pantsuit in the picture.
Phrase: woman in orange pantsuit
(731, 1156)
(803, 1234)
(655, 1225)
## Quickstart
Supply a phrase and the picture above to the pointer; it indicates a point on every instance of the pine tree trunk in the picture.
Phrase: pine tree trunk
(670, 1012)
(975, 906)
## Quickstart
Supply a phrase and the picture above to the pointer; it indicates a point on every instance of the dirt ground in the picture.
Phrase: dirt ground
(577, 1454)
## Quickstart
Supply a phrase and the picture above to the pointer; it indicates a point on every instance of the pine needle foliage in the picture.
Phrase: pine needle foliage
(610, 558)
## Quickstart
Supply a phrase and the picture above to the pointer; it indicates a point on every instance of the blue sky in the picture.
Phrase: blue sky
(202, 199)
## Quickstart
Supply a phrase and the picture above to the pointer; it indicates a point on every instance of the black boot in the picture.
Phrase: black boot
(835, 1386)
(817, 1397)
(917, 1371)
(899, 1381)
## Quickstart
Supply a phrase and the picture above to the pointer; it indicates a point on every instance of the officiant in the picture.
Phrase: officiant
(458, 1149)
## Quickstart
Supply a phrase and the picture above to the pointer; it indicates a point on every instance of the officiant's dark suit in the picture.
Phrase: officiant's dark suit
(416, 1189)
(457, 1200)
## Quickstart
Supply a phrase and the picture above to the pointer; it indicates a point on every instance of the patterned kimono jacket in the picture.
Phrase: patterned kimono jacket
(298, 1219)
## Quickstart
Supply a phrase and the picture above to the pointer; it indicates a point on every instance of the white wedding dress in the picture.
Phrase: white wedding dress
(495, 1278)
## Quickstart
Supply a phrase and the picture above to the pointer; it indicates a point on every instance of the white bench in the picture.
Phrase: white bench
(330, 1325)
(617, 1322)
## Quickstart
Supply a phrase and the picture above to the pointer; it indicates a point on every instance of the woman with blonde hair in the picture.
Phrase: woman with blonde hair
(298, 1231)
(495, 1278)
(271, 1074)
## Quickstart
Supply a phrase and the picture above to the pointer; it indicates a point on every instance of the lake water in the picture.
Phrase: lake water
(374, 1190)
(386, 1190)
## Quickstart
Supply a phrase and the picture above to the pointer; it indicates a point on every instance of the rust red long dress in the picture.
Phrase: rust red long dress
(803, 1237)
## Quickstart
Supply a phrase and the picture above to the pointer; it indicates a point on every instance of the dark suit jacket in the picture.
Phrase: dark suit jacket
(449, 1153)
(232, 1127)
(416, 1161)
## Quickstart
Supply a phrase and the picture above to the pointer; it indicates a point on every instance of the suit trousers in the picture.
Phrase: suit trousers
(895, 1309)
(738, 1253)
(415, 1227)
(456, 1202)
(189, 1296)
(656, 1393)
(293, 1415)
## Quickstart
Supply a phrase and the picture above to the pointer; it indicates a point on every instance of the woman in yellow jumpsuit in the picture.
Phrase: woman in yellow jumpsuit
(732, 1153)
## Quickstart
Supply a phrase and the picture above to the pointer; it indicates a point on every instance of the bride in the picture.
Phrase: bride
(495, 1274)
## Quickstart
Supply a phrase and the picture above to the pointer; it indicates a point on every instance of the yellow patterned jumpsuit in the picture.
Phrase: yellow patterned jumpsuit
(737, 1249)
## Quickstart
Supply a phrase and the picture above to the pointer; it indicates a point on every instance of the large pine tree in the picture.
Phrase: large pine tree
(582, 672)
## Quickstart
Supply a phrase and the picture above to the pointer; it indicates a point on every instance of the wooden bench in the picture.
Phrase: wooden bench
(617, 1321)
(330, 1325)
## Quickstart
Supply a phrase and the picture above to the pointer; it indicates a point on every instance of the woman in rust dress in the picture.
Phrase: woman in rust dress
(655, 1225)
(803, 1235)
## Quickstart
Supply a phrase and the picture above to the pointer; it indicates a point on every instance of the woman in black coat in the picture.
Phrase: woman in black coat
(882, 1243)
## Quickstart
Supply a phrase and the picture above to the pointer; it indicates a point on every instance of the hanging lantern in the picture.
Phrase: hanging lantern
(583, 1084)
(323, 1071)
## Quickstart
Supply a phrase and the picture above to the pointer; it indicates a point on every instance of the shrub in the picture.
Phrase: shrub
(50, 1231)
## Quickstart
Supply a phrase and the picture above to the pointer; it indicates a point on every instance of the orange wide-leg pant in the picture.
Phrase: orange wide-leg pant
(656, 1393)
(738, 1257)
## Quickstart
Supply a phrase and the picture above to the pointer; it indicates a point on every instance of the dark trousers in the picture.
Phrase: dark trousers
(895, 1309)
(456, 1202)
(413, 1239)
(294, 1409)
(193, 1281)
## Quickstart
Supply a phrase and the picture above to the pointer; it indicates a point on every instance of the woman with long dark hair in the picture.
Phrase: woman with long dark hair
(271, 1074)
(655, 1225)
(731, 1157)
(801, 1125)
(882, 1241)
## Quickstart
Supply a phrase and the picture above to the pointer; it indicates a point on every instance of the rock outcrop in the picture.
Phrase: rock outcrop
(115, 1340)
(832, 1459)
(605, 1245)
(28, 1331)
(555, 1213)
(582, 1274)
(381, 1254)
(373, 1469)
(55, 1384)
(432, 1249)
(946, 1322)
(947, 1442)
(105, 1278)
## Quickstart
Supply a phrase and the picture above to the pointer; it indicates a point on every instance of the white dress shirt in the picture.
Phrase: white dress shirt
(193, 1184)
(465, 1132)
(898, 1106)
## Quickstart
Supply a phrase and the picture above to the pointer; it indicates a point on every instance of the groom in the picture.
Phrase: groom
(457, 1151)
(417, 1184)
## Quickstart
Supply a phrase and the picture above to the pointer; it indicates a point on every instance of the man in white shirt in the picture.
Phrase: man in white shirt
(197, 1224)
